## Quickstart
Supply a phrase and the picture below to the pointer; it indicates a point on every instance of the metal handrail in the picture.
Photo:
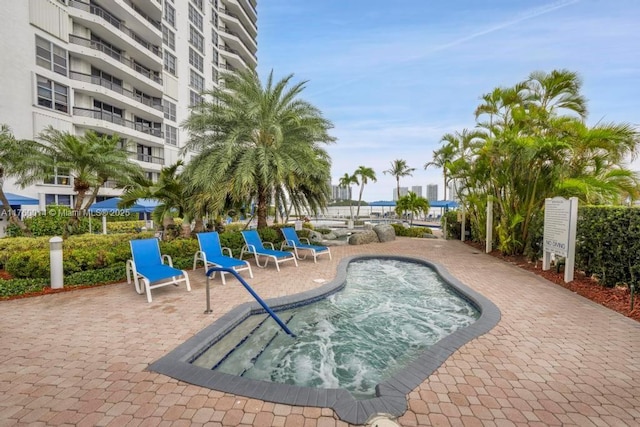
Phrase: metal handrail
(116, 22)
(113, 118)
(93, 44)
(151, 101)
(253, 293)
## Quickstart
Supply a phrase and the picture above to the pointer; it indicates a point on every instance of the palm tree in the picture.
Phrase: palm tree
(252, 138)
(365, 174)
(171, 192)
(345, 182)
(399, 168)
(413, 204)
(90, 159)
(21, 159)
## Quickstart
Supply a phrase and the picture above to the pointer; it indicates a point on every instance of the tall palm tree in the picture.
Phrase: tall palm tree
(21, 159)
(345, 182)
(399, 168)
(90, 159)
(364, 174)
(252, 138)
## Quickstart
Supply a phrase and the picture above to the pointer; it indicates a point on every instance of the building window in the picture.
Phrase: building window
(168, 37)
(170, 63)
(51, 56)
(214, 19)
(194, 98)
(169, 110)
(196, 81)
(170, 135)
(195, 17)
(214, 76)
(59, 177)
(106, 80)
(214, 37)
(57, 199)
(196, 39)
(53, 95)
(196, 60)
(170, 14)
(198, 4)
(216, 57)
(108, 112)
(144, 153)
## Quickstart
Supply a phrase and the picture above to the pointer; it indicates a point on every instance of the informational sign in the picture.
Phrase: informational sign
(559, 238)
(557, 213)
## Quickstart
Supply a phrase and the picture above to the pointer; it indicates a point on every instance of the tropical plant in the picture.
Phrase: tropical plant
(345, 182)
(399, 169)
(531, 143)
(251, 139)
(363, 174)
(21, 159)
(413, 204)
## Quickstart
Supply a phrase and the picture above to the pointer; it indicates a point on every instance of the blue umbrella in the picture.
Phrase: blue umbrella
(17, 199)
(110, 206)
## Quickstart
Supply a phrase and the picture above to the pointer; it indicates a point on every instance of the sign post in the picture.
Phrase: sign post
(560, 224)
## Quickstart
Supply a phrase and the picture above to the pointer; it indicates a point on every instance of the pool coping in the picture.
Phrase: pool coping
(391, 395)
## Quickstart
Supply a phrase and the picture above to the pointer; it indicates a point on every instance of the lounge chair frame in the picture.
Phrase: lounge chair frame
(157, 270)
(216, 255)
(292, 240)
(254, 245)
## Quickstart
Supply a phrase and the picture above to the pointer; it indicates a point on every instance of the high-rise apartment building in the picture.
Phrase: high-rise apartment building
(417, 189)
(432, 192)
(126, 67)
(403, 192)
(339, 192)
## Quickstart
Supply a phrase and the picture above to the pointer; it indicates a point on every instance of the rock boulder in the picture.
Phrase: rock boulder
(364, 237)
(385, 232)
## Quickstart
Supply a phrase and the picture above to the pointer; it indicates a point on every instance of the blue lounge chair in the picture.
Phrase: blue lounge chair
(211, 253)
(291, 240)
(148, 266)
(253, 244)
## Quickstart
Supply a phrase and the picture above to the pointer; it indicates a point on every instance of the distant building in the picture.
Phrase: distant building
(417, 189)
(453, 192)
(339, 193)
(432, 192)
(403, 192)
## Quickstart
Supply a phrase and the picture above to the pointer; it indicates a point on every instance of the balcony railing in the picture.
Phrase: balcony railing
(97, 80)
(228, 31)
(141, 13)
(235, 52)
(98, 11)
(118, 120)
(146, 158)
(93, 44)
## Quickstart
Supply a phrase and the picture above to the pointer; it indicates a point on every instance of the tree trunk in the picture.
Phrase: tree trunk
(199, 225)
(8, 212)
(359, 201)
(262, 207)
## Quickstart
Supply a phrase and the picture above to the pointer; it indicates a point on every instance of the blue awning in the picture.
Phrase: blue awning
(443, 204)
(111, 206)
(16, 199)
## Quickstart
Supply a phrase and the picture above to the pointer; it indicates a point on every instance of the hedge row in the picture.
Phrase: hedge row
(608, 244)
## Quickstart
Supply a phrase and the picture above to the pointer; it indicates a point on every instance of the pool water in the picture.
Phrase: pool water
(389, 312)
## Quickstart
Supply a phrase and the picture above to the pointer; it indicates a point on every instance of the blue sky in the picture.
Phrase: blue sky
(393, 77)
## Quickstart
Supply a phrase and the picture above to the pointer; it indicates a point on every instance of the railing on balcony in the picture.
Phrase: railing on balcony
(235, 52)
(97, 80)
(99, 11)
(144, 15)
(93, 44)
(228, 31)
(116, 119)
(146, 158)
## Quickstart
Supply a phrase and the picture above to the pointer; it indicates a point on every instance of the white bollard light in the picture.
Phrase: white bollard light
(55, 259)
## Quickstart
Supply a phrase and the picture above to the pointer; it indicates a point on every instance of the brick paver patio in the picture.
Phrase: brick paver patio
(555, 358)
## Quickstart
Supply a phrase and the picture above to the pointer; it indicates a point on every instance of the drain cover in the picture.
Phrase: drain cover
(382, 421)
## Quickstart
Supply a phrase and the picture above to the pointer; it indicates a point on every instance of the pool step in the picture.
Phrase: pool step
(246, 351)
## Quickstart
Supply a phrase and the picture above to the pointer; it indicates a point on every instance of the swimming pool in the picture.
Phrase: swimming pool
(327, 368)
(386, 314)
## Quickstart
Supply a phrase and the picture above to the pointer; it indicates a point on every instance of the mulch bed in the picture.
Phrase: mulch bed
(616, 298)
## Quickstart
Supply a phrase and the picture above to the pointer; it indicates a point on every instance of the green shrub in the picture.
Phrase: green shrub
(323, 230)
(31, 264)
(232, 240)
(402, 231)
(13, 287)
(270, 234)
(112, 274)
(124, 226)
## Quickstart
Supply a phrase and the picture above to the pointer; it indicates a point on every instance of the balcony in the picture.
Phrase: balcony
(147, 158)
(233, 56)
(236, 9)
(117, 23)
(149, 101)
(143, 14)
(234, 23)
(115, 119)
(99, 46)
(231, 37)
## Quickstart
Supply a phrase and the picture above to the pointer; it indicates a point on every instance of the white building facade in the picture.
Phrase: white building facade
(432, 192)
(126, 67)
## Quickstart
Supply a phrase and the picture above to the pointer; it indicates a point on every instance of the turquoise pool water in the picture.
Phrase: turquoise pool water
(388, 312)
